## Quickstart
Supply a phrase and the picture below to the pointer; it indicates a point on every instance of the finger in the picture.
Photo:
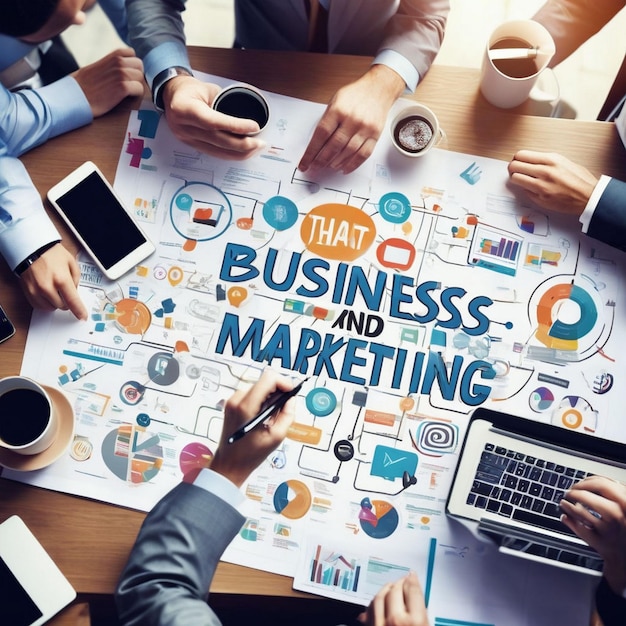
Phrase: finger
(414, 596)
(579, 514)
(72, 300)
(535, 156)
(358, 158)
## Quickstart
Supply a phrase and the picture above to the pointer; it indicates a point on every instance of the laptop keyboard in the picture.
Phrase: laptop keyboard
(522, 487)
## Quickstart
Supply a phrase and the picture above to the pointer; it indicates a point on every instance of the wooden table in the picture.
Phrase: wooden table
(90, 540)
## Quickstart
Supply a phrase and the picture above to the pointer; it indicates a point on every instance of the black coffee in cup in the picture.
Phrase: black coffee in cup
(24, 415)
(243, 103)
(515, 68)
(413, 133)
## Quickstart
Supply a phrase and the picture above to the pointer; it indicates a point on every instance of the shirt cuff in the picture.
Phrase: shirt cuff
(401, 65)
(594, 199)
(26, 236)
(219, 486)
(165, 55)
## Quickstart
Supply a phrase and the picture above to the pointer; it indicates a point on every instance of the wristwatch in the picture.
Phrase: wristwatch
(159, 82)
(20, 268)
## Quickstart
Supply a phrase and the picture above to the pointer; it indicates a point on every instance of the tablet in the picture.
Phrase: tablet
(36, 586)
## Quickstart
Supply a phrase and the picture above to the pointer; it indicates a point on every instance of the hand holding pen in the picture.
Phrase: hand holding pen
(237, 460)
(271, 406)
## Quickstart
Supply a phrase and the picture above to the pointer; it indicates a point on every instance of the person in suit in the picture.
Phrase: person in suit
(29, 241)
(595, 509)
(166, 579)
(554, 182)
(571, 23)
(403, 35)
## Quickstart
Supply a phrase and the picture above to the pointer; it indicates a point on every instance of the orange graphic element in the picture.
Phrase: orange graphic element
(304, 433)
(236, 295)
(396, 253)
(407, 228)
(406, 404)
(337, 231)
(190, 245)
(202, 216)
(133, 316)
(572, 419)
(181, 346)
(175, 275)
(378, 417)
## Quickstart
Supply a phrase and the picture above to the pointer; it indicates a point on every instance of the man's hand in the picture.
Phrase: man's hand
(237, 460)
(595, 509)
(108, 81)
(351, 125)
(552, 181)
(191, 118)
(400, 603)
(50, 282)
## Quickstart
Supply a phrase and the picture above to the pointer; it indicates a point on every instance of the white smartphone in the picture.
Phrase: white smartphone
(33, 587)
(93, 211)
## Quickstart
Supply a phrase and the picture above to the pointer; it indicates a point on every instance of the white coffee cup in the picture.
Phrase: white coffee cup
(243, 101)
(28, 422)
(415, 130)
(507, 82)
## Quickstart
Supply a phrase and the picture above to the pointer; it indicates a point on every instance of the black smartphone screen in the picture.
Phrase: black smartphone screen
(6, 327)
(18, 608)
(101, 221)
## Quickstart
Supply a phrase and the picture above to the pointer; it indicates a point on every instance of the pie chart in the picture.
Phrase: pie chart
(541, 399)
(292, 499)
(378, 518)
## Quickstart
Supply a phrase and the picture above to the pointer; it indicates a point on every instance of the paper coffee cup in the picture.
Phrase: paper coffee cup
(243, 101)
(415, 130)
(507, 82)
(28, 423)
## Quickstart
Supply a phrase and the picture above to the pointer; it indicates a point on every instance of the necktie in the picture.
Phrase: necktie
(318, 26)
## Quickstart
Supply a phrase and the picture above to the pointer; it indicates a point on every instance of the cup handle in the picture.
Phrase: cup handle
(442, 138)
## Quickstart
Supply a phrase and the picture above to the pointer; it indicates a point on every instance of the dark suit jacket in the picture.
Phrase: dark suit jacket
(172, 563)
(608, 223)
(611, 608)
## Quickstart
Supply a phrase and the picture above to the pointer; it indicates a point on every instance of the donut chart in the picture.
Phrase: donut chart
(378, 518)
(575, 413)
(292, 499)
(557, 333)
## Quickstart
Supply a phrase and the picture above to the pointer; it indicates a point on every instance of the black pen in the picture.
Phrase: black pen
(273, 404)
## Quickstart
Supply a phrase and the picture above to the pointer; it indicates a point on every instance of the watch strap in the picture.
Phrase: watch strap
(161, 79)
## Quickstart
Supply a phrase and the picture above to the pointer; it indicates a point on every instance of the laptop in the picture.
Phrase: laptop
(511, 475)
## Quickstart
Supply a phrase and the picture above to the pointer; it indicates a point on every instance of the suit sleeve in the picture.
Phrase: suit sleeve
(608, 223)
(172, 563)
(572, 22)
(611, 607)
(416, 31)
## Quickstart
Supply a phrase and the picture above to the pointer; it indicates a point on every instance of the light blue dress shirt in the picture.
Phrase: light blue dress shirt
(29, 117)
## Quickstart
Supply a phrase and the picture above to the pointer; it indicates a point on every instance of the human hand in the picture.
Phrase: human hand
(351, 125)
(190, 117)
(399, 604)
(237, 460)
(108, 81)
(605, 531)
(50, 282)
(552, 181)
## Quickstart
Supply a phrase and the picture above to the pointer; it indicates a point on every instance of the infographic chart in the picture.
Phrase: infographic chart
(409, 293)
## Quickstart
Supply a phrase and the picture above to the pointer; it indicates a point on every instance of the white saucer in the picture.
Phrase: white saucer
(65, 432)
